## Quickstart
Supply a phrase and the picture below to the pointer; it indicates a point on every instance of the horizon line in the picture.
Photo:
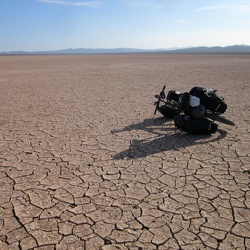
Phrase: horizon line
(125, 48)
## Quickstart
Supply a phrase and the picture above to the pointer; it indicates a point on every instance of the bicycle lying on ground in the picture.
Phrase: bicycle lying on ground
(193, 114)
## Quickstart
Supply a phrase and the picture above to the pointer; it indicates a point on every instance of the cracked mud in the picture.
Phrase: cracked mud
(84, 163)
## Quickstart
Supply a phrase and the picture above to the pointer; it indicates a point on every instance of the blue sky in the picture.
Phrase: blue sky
(35, 25)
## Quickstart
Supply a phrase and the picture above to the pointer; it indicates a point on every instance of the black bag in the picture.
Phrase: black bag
(168, 111)
(196, 112)
(173, 96)
(184, 101)
(209, 99)
(195, 126)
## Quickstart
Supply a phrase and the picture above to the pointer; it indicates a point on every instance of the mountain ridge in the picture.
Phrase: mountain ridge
(192, 50)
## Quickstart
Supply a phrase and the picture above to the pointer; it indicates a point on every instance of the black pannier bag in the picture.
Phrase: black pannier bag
(168, 111)
(173, 96)
(209, 99)
(195, 126)
(196, 112)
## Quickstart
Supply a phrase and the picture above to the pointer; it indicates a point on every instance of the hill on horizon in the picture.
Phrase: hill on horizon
(201, 49)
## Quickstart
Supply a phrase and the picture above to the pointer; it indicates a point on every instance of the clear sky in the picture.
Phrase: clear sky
(35, 25)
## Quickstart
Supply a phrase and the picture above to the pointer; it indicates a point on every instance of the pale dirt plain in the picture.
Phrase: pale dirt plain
(85, 164)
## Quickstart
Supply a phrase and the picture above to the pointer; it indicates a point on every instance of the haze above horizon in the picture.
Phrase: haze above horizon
(43, 25)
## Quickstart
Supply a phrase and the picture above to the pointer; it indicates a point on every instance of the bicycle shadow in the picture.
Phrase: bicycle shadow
(151, 125)
(167, 139)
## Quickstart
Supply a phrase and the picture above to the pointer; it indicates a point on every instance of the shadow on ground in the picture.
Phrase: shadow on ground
(168, 138)
(157, 126)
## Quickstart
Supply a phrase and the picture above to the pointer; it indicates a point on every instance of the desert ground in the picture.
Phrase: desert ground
(85, 163)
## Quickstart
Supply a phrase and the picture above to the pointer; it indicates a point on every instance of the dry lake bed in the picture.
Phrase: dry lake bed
(85, 163)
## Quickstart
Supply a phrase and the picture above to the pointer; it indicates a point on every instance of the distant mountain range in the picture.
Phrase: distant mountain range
(242, 49)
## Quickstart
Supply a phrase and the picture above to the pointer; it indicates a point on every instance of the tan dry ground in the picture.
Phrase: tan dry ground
(84, 163)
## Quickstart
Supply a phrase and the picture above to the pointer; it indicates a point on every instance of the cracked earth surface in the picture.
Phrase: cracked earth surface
(84, 163)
